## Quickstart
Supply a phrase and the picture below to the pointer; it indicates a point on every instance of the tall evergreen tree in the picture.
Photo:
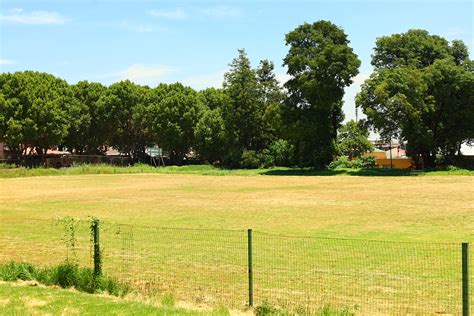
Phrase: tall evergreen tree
(243, 114)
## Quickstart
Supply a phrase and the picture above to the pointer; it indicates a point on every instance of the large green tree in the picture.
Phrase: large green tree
(451, 87)
(88, 130)
(175, 112)
(211, 136)
(214, 98)
(128, 124)
(421, 93)
(414, 49)
(34, 111)
(273, 97)
(321, 64)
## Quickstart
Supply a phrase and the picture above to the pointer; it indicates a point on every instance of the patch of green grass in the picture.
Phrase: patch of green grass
(266, 309)
(9, 171)
(28, 300)
(168, 300)
(65, 275)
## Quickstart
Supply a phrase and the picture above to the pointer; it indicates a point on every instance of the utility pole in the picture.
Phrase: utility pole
(390, 148)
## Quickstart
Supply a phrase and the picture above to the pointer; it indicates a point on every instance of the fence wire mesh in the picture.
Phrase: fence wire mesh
(371, 277)
(211, 266)
(205, 266)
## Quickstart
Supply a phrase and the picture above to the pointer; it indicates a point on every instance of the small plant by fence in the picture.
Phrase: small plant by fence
(245, 267)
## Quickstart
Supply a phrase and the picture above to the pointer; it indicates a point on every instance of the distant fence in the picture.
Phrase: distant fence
(241, 267)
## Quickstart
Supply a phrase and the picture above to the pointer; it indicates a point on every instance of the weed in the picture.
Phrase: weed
(168, 300)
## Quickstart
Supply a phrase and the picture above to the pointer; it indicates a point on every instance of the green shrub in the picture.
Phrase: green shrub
(340, 162)
(367, 162)
(64, 275)
(280, 151)
(13, 271)
(364, 162)
(266, 309)
(266, 158)
(7, 166)
(453, 168)
(250, 159)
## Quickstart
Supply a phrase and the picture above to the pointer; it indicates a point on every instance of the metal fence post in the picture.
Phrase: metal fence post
(97, 258)
(465, 279)
(250, 268)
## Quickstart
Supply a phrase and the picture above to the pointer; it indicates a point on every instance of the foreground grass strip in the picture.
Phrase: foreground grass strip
(8, 171)
(65, 275)
(18, 299)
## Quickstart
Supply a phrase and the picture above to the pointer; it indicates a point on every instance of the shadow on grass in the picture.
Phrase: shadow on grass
(349, 172)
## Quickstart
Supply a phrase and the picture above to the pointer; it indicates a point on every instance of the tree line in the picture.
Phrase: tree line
(421, 92)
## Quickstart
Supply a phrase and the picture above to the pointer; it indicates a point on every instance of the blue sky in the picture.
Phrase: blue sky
(194, 41)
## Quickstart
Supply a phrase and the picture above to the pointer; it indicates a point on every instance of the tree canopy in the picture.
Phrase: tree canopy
(421, 93)
(34, 111)
(321, 64)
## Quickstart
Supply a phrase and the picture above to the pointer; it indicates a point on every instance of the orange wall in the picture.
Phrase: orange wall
(397, 163)
(377, 155)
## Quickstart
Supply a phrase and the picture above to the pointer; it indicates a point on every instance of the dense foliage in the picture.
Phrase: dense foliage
(321, 64)
(421, 92)
(353, 139)
(65, 275)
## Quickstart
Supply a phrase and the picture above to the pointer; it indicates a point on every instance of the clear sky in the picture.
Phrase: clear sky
(193, 41)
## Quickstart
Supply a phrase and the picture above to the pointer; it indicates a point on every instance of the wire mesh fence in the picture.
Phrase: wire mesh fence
(293, 272)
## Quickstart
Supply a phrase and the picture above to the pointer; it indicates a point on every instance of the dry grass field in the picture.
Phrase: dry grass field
(425, 216)
(388, 208)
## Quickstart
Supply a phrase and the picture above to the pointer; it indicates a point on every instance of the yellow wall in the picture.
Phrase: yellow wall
(397, 163)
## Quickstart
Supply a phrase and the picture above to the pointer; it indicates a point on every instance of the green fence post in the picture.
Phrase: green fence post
(465, 279)
(97, 258)
(250, 268)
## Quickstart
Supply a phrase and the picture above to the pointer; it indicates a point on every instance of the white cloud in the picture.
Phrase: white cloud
(34, 17)
(211, 80)
(7, 61)
(170, 14)
(142, 74)
(220, 12)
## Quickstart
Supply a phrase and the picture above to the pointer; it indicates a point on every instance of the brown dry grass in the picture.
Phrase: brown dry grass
(394, 208)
